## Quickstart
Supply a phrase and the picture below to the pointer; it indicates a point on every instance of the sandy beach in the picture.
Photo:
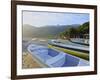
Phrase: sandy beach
(29, 62)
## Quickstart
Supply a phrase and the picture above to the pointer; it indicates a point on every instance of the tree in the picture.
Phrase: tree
(73, 32)
(84, 28)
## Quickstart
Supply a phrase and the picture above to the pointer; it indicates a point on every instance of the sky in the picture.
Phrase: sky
(39, 19)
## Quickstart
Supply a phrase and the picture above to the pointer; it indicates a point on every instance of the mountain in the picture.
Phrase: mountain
(45, 31)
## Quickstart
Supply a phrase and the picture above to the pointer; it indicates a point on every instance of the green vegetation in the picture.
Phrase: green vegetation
(49, 31)
(50, 36)
(72, 52)
(84, 29)
(75, 32)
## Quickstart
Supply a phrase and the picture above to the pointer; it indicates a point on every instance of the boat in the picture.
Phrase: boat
(70, 45)
(54, 58)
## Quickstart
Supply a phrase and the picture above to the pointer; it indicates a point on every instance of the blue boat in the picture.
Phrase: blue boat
(54, 58)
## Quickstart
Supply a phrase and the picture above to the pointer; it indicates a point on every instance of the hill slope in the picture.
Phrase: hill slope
(45, 31)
